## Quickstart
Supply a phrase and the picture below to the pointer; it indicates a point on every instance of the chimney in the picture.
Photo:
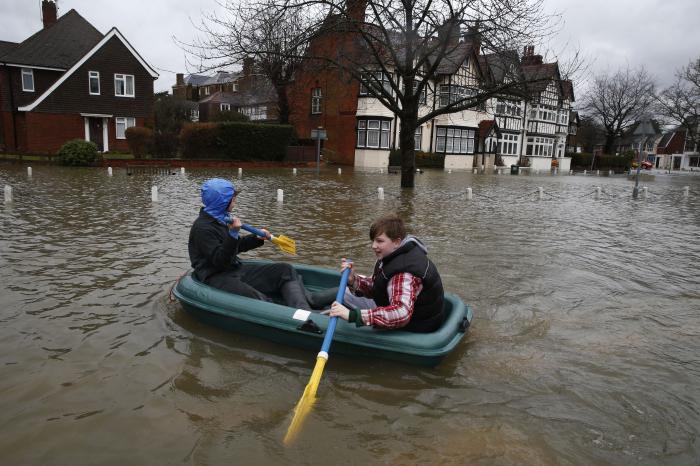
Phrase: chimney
(356, 9)
(179, 79)
(474, 36)
(529, 57)
(248, 66)
(48, 13)
(449, 32)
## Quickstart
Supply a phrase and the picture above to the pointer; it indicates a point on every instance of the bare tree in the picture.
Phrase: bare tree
(680, 103)
(619, 100)
(397, 49)
(276, 39)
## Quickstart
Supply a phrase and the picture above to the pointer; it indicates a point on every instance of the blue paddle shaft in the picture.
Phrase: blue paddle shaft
(338, 297)
(253, 230)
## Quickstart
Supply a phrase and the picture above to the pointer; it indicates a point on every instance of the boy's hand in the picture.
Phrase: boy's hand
(338, 310)
(268, 235)
(235, 224)
(346, 264)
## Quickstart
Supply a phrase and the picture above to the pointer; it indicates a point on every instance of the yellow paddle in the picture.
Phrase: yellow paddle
(285, 243)
(307, 399)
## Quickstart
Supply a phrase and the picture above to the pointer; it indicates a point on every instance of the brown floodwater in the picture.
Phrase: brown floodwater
(584, 348)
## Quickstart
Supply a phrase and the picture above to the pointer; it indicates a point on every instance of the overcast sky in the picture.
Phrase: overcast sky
(662, 35)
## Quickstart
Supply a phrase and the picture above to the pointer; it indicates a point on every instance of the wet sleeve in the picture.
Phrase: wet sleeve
(218, 253)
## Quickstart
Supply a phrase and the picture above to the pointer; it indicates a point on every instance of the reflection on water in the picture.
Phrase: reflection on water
(583, 350)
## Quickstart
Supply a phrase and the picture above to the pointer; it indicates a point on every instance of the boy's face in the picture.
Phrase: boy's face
(382, 245)
(232, 203)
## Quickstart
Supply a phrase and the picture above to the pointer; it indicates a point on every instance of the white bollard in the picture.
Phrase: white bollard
(8, 194)
(610, 173)
(645, 192)
(686, 191)
(499, 171)
(29, 172)
(182, 170)
(584, 173)
(381, 170)
(294, 171)
(554, 172)
(482, 169)
(240, 172)
(340, 171)
(571, 172)
(449, 171)
(109, 171)
(476, 170)
(597, 173)
(280, 195)
(380, 193)
(154, 193)
(469, 194)
(540, 193)
(597, 192)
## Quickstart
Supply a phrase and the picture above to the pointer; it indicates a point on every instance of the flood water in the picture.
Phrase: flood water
(584, 349)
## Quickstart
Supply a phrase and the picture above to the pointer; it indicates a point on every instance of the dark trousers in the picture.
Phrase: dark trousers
(258, 281)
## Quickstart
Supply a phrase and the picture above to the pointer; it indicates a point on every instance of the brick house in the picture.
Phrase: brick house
(69, 81)
(246, 92)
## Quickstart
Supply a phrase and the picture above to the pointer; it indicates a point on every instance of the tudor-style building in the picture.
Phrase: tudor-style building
(69, 81)
(533, 125)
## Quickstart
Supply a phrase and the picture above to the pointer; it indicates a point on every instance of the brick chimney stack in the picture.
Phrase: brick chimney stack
(474, 36)
(48, 13)
(529, 57)
(356, 9)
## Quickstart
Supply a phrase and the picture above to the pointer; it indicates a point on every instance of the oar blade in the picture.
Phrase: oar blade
(286, 244)
(306, 401)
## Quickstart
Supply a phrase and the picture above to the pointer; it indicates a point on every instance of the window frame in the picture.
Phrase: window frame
(224, 107)
(93, 75)
(377, 128)
(382, 77)
(316, 101)
(449, 137)
(30, 73)
(121, 77)
(125, 122)
(418, 138)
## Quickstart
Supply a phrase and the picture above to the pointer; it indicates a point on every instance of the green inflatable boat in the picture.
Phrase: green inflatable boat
(306, 329)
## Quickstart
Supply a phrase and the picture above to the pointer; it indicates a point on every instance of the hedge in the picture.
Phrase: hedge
(236, 141)
(423, 159)
(140, 140)
(602, 162)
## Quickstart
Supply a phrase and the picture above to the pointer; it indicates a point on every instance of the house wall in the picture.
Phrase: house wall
(12, 77)
(73, 96)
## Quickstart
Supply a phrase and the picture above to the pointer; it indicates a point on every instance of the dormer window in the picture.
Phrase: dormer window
(27, 80)
(94, 78)
(124, 85)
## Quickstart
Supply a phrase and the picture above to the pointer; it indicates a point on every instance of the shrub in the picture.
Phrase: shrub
(140, 140)
(200, 141)
(165, 144)
(602, 162)
(230, 115)
(77, 152)
(423, 159)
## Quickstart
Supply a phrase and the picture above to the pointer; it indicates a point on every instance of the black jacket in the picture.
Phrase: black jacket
(412, 257)
(212, 250)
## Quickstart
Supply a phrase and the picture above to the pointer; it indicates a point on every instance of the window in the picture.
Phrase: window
(225, 107)
(94, 79)
(373, 134)
(450, 94)
(27, 80)
(255, 113)
(194, 115)
(506, 107)
(539, 146)
(122, 124)
(423, 97)
(316, 97)
(454, 140)
(375, 80)
(124, 85)
(418, 138)
(235, 86)
(508, 145)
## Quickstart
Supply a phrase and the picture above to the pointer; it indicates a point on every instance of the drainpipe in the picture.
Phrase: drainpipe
(523, 132)
(13, 111)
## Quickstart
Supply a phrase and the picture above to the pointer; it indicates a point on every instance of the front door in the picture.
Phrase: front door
(96, 132)
(676, 163)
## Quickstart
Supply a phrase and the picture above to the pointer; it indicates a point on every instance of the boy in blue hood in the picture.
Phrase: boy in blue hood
(214, 245)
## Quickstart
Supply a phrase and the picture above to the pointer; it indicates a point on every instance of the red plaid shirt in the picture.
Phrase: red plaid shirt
(403, 288)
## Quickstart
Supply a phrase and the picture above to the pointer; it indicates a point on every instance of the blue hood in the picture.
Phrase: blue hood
(216, 196)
